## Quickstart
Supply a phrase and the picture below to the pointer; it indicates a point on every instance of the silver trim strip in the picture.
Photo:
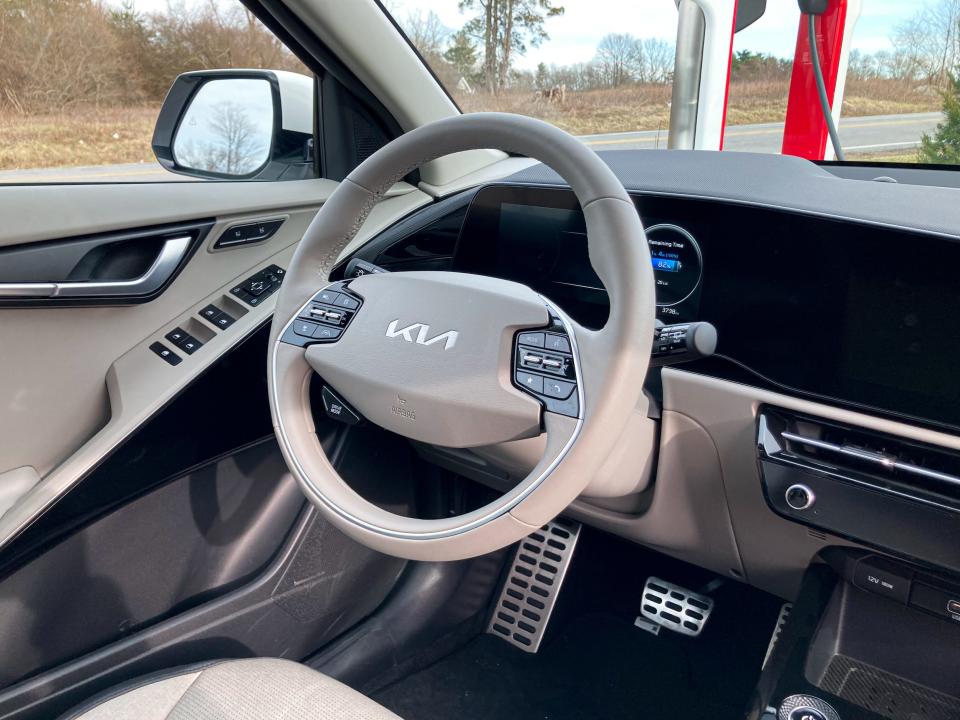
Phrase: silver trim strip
(495, 513)
(887, 461)
(159, 272)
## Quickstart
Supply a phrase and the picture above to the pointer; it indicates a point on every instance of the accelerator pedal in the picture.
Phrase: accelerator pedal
(675, 608)
(533, 584)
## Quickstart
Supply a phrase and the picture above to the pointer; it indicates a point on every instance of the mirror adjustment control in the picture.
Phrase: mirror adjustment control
(257, 288)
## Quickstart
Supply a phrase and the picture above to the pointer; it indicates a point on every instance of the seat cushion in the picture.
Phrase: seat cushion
(260, 689)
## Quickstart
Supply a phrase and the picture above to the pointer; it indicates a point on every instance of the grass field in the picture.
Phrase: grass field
(83, 137)
(99, 136)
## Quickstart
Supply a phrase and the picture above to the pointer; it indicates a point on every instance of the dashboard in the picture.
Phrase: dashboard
(860, 315)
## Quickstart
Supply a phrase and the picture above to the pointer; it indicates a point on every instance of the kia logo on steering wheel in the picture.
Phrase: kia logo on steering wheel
(422, 330)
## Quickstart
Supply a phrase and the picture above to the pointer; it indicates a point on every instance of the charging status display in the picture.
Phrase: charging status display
(677, 263)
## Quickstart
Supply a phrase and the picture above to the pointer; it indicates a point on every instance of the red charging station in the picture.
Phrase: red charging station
(805, 132)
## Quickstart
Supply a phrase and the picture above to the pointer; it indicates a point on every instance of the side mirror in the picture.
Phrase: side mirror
(237, 125)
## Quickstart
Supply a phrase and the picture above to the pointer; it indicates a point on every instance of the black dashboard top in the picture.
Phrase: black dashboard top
(777, 181)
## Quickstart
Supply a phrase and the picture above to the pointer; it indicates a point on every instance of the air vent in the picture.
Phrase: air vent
(884, 490)
(890, 462)
(533, 583)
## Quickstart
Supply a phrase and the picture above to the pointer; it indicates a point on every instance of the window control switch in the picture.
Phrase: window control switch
(211, 313)
(185, 341)
(223, 321)
(166, 353)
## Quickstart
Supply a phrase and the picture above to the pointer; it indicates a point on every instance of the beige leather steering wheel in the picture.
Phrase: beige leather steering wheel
(443, 357)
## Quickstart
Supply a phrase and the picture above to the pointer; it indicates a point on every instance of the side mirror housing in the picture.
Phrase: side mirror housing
(238, 125)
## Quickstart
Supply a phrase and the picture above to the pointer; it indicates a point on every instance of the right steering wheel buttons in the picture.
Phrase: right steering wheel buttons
(530, 381)
(560, 389)
(558, 343)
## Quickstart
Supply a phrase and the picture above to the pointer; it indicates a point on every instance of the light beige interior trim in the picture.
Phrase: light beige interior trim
(490, 173)
(113, 382)
(14, 484)
(775, 551)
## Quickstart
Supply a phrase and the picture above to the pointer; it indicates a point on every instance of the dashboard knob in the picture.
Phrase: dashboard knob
(799, 497)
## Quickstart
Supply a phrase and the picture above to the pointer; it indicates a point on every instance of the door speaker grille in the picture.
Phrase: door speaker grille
(533, 584)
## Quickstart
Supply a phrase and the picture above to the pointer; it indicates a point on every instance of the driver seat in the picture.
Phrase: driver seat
(257, 689)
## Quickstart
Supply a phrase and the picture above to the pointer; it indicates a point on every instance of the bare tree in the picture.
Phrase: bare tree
(928, 44)
(427, 33)
(620, 58)
(658, 56)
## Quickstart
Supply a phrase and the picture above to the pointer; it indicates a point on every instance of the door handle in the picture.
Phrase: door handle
(171, 254)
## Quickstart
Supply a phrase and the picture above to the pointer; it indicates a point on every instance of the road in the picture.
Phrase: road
(878, 133)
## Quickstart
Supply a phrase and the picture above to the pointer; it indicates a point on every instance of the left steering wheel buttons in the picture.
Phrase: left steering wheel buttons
(304, 328)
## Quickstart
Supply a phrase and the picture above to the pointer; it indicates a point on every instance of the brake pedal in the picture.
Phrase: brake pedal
(674, 607)
(533, 584)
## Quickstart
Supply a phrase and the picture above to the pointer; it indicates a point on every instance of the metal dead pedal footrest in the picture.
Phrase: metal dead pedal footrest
(673, 607)
(533, 584)
(777, 629)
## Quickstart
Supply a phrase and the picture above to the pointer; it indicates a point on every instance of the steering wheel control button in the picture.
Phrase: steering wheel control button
(337, 408)
(324, 333)
(531, 382)
(543, 366)
(535, 339)
(559, 389)
(347, 302)
(557, 342)
(325, 318)
(166, 353)
(304, 328)
(799, 497)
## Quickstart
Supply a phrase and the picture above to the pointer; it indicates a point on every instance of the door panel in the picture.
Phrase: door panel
(77, 380)
(209, 529)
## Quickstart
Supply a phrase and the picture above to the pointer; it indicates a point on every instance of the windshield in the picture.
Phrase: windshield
(604, 70)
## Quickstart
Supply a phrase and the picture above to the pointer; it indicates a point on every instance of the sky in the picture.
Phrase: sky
(574, 35)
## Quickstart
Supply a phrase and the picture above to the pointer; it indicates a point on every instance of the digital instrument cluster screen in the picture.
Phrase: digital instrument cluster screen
(537, 237)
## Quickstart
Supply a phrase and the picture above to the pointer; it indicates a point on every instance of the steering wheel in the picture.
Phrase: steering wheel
(460, 360)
